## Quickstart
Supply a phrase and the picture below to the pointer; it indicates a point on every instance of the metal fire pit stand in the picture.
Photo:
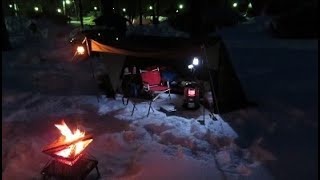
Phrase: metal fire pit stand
(79, 171)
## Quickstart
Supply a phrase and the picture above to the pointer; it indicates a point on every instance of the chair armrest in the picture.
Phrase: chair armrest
(146, 86)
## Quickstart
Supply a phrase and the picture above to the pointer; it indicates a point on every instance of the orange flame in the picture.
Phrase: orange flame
(73, 149)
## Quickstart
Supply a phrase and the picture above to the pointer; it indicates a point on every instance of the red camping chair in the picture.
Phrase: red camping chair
(152, 84)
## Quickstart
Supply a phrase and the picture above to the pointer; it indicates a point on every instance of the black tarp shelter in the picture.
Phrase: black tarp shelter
(223, 81)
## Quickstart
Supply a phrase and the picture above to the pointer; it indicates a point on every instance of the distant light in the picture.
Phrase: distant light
(59, 10)
(195, 61)
(249, 5)
(99, 34)
(235, 4)
(80, 50)
(15, 7)
(113, 8)
(190, 66)
(36, 8)
(95, 8)
(177, 11)
(180, 6)
(68, 2)
(150, 7)
(124, 10)
(117, 38)
(10, 5)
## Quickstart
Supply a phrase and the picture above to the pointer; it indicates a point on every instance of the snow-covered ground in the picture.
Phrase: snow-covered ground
(41, 87)
(280, 75)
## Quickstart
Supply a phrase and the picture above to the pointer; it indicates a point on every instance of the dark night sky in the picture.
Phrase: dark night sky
(276, 6)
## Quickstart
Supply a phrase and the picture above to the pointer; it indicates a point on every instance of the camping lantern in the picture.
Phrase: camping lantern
(81, 50)
(191, 96)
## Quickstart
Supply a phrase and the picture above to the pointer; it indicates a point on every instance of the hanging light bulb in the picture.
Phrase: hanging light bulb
(80, 50)
(190, 66)
(195, 61)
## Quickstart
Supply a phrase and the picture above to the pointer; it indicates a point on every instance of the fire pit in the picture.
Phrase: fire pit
(69, 159)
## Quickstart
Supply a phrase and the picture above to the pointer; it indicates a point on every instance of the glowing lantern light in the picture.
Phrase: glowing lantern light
(59, 10)
(190, 66)
(180, 6)
(36, 8)
(80, 50)
(150, 7)
(195, 61)
(250, 5)
(191, 96)
(235, 4)
(10, 5)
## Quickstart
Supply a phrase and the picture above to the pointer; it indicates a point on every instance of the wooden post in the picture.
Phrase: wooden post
(157, 11)
(5, 35)
(153, 13)
(140, 13)
(80, 13)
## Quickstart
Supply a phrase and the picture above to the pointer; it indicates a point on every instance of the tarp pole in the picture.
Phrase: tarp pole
(91, 65)
(80, 13)
(94, 77)
(210, 79)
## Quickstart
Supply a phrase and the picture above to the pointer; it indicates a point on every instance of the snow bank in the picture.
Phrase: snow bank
(162, 30)
(177, 145)
(280, 76)
(20, 33)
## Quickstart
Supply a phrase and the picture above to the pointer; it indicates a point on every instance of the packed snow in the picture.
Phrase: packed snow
(41, 87)
(162, 29)
(280, 76)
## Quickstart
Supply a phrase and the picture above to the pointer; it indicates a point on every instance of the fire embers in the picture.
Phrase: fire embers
(69, 146)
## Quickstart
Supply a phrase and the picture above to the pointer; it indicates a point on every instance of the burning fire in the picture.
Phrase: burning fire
(69, 136)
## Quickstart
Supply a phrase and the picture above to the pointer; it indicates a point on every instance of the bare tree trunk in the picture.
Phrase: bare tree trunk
(107, 6)
(140, 13)
(157, 11)
(132, 10)
(5, 35)
(80, 13)
(196, 10)
(76, 14)
(153, 13)
(258, 6)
